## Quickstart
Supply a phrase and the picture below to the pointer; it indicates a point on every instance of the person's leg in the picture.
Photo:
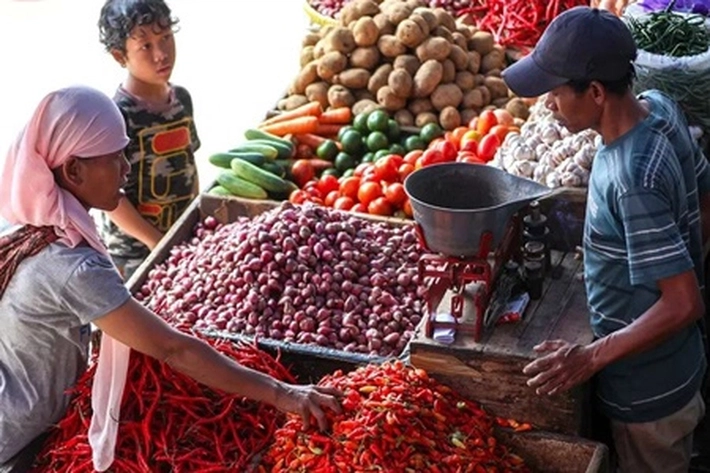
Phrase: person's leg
(663, 446)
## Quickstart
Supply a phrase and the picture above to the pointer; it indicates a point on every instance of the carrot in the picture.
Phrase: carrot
(309, 109)
(328, 129)
(310, 139)
(295, 126)
(340, 116)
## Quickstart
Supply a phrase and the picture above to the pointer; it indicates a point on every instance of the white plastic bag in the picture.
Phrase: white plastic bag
(106, 394)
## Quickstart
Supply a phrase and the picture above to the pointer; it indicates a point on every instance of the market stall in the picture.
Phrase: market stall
(399, 223)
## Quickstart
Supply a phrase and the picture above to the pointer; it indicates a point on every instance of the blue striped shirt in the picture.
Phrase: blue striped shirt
(643, 225)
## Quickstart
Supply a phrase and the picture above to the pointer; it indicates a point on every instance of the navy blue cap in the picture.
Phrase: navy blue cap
(581, 44)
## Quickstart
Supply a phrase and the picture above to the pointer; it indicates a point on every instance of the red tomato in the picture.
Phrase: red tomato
(503, 116)
(432, 156)
(314, 192)
(379, 206)
(349, 187)
(368, 192)
(328, 183)
(360, 208)
(361, 168)
(304, 152)
(405, 170)
(298, 196)
(447, 149)
(500, 131)
(470, 159)
(458, 133)
(302, 172)
(412, 156)
(407, 208)
(331, 197)
(395, 194)
(386, 169)
(469, 146)
(486, 120)
(488, 146)
(398, 160)
(471, 135)
(344, 203)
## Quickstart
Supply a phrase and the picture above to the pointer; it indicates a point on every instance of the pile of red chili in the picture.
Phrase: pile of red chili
(395, 418)
(170, 422)
(516, 23)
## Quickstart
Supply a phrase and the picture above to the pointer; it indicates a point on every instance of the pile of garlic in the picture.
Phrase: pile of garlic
(547, 152)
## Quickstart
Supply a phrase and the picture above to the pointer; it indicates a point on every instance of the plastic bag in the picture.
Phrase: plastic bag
(691, 6)
(106, 394)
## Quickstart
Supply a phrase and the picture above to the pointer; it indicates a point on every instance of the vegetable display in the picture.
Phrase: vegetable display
(671, 34)
(169, 422)
(302, 274)
(546, 152)
(395, 418)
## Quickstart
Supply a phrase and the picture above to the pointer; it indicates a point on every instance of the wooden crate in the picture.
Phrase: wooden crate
(309, 362)
(491, 371)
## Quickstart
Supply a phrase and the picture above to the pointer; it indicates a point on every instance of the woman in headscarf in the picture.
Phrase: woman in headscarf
(56, 279)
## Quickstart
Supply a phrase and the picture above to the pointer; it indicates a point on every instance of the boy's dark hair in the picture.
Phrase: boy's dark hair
(616, 87)
(119, 17)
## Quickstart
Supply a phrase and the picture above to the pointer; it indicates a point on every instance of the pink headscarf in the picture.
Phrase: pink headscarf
(81, 122)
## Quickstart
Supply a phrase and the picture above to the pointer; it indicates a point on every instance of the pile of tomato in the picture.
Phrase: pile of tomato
(377, 188)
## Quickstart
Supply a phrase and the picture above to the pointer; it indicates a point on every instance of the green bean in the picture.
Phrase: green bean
(668, 33)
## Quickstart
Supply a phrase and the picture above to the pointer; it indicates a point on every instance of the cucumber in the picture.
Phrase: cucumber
(224, 159)
(240, 187)
(260, 177)
(284, 151)
(254, 134)
(219, 190)
(269, 152)
(274, 168)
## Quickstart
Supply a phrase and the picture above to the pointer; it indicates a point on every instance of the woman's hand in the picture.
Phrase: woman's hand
(309, 401)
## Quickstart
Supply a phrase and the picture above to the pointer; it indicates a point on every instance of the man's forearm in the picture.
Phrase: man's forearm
(129, 220)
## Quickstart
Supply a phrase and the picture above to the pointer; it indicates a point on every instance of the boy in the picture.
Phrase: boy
(163, 178)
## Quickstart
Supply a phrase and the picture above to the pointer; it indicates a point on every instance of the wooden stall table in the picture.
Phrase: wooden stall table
(491, 371)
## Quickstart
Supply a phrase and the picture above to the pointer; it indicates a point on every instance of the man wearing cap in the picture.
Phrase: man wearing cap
(642, 242)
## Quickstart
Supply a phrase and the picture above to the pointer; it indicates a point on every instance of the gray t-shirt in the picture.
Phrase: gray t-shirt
(44, 336)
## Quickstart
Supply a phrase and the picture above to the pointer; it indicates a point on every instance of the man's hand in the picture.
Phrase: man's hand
(566, 365)
(309, 401)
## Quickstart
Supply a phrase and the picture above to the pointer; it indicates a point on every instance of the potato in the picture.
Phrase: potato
(404, 118)
(365, 32)
(353, 78)
(449, 71)
(408, 62)
(410, 33)
(465, 81)
(443, 32)
(500, 102)
(362, 94)
(319, 49)
(428, 15)
(497, 87)
(473, 99)
(294, 101)
(310, 39)
(424, 118)
(401, 83)
(307, 76)
(353, 11)
(419, 20)
(367, 58)
(340, 96)
(518, 108)
(306, 55)
(398, 12)
(340, 39)
(390, 46)
(330, 64)
(415, 4)
(481, 42)
(446, 95)
(459, 56)
(365, 106)
(318, 92)
(467, 114)
(494, 73)
(485, 93)
(427, 78)
(449, 118)
(493, 60)
(464, 31)
(445, 19)
(384, 25)
(479, 79)
(460, 40)
(433, 48)
(474, 62)
(389, 100)
(379, 78)
(418, 106)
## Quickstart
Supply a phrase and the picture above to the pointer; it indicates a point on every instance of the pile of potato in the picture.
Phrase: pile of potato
(413, 61)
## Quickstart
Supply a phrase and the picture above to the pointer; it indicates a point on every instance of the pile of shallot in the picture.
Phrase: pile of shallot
(303, 274)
